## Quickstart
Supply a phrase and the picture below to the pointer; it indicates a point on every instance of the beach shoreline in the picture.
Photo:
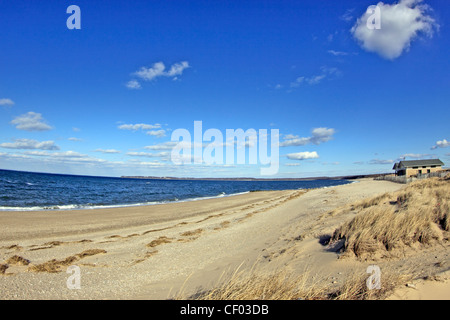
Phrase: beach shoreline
(158, 251)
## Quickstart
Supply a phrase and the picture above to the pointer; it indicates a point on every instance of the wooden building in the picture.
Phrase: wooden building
(417, 167)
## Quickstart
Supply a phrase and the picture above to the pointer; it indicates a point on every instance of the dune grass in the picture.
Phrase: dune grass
(416, 215)
(282, 285)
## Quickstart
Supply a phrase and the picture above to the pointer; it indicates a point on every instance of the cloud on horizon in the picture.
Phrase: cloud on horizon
(30, 144)
(107, 151)
(380, 161)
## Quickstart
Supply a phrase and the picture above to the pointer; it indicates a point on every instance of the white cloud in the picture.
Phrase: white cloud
(401, 23)
(133, 84)
(158, 70)
(318, 136)
(441, 144)
(6, 102)
(139, 126)
(348, 15)
(337, 53)
(415, 155)
(30, 144)
(163, 146)
(303, 155)
(107, 151)
(65, 154)
(378, 161)
(177, 69)
(157, 133)
(164, 155)
(316, 79)
(336, 163)
(74, 139)
(30, 121)
(65, 157)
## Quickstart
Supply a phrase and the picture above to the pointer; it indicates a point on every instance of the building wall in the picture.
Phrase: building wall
(412, 172)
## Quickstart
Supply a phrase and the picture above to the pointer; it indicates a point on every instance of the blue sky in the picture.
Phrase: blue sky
(105, 99)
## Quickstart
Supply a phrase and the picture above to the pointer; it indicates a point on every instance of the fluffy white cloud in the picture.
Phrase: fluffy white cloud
(74, 139)
(177, 69)
(303, 155)
(318, 136)
(30, 121)
(6, 102)
(401, 23)
(30, 144)
(441, 144)
(159, 70)
(133, 84)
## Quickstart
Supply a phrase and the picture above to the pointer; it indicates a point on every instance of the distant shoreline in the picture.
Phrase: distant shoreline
(345, 177)
(349, 177)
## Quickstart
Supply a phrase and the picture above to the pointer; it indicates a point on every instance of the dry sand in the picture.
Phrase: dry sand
(156, 252)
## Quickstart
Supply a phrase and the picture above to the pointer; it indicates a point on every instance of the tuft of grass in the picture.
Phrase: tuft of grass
(90, 252)
(419, 214)
(159, 241)
(54, 265)
(3, 268)
(18, 260)
(192, 233)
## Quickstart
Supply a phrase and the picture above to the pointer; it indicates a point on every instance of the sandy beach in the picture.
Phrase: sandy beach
(164, 251)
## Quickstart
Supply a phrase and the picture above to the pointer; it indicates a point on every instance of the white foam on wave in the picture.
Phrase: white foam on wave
(83, 207)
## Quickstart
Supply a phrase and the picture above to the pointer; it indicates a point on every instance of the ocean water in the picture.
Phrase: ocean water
(40, 191)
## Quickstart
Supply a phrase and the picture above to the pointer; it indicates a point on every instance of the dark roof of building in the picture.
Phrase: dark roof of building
(418, 163)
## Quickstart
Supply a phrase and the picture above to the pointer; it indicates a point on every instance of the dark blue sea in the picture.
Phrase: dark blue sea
(41, 191)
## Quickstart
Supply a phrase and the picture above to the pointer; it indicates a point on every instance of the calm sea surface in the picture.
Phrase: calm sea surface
(41, 191)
